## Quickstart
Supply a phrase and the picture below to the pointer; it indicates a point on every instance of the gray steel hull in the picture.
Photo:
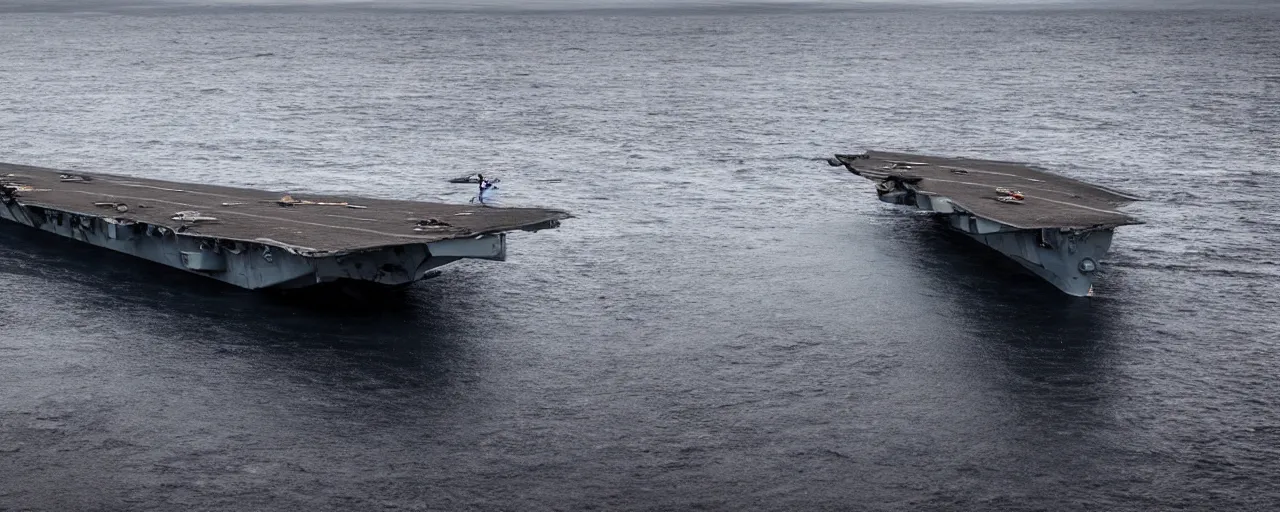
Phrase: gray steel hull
(1065, 257)
(1067, 261)
(1059, 229)
(256, 265)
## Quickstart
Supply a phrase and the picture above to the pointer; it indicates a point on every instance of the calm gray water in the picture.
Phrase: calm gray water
(728, 323)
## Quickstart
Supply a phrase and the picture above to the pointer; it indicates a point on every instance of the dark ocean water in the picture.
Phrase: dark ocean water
(728, 323)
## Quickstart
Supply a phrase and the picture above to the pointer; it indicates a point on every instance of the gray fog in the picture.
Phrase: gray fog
(623, 5)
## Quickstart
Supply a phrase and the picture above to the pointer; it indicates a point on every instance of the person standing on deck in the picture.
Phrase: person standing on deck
(485, 185)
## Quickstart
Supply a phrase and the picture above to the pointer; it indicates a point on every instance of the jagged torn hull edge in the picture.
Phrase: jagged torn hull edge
(262, 263)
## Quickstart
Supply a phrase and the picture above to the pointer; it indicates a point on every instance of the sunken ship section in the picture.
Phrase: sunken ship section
(1056, 227)
(259, 240)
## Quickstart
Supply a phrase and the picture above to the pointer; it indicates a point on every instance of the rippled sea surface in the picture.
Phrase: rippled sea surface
(728, 323)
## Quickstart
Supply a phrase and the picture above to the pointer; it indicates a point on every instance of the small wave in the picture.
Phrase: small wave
(254, 56)
(1197, 269)
(1184, 197)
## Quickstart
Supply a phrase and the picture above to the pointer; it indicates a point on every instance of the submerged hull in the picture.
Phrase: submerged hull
(1059, 229)
(255, 265)
(1069, 265)
(1065, 257)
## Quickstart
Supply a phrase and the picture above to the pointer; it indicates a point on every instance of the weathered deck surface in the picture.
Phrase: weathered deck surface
(259, 216)
(1052, 201)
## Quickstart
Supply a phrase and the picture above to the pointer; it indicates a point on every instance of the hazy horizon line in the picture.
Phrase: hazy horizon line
(611, 7)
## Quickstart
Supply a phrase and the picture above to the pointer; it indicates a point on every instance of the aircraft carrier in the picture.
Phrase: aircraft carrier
(257, 239)
(1056, 227)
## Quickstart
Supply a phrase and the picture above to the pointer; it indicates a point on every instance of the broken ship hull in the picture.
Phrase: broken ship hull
(274, 245)
(1059, 229)
(254, 265)
(1066, 258)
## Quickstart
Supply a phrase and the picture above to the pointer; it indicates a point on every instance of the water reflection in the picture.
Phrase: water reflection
(1014, 334)
(414, 334)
